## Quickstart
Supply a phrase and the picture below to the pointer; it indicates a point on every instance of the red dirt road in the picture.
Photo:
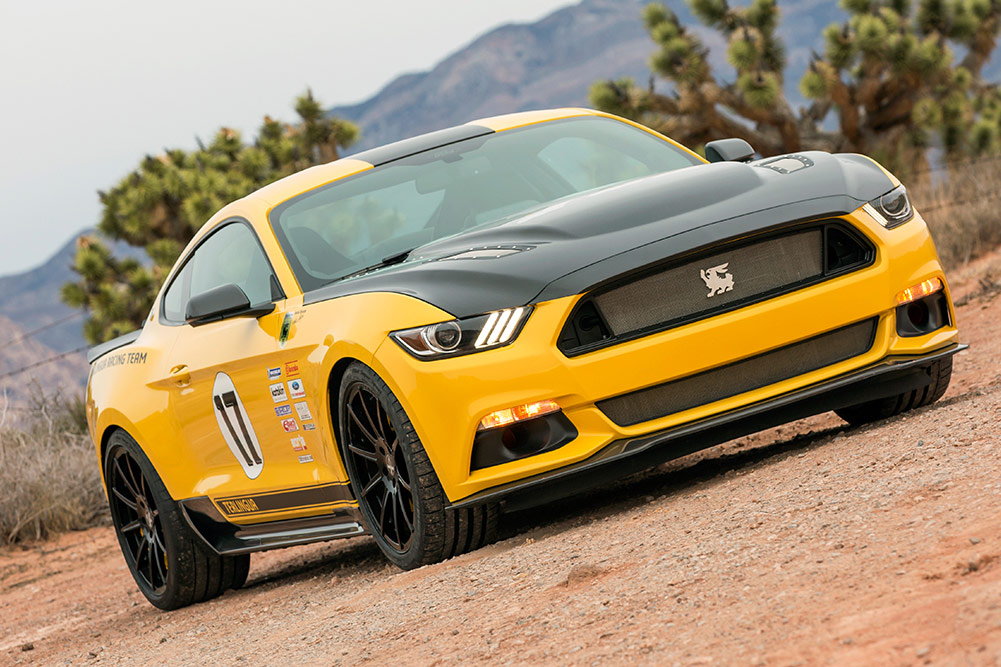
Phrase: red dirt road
(809, 544)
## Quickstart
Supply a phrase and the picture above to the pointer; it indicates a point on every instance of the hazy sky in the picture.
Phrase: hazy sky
(88, 88)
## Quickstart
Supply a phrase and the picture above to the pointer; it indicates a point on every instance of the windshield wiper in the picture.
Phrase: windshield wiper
(397, 258)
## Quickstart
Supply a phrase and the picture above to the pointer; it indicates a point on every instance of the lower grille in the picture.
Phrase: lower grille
(741, 376)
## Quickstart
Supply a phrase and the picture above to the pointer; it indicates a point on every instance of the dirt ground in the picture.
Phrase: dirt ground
(808, 544)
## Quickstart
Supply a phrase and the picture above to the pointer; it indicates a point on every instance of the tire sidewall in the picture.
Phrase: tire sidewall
(174, 535)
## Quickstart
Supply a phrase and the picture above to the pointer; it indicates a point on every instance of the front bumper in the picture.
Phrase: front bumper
(445, 399)
(889, 377)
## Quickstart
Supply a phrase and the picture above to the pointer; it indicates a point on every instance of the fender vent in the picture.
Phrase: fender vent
(742, 376)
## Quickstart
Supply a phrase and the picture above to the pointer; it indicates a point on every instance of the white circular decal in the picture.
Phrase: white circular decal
(235, 425)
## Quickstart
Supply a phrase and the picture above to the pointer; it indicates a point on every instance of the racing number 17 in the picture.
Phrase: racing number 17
(222, 403)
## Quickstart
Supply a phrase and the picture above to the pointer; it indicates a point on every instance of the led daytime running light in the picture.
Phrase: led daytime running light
(874, 214)
(919, 291)
(500, 327)
(517, 414)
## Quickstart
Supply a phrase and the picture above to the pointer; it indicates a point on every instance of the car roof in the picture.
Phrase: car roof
(314, 177)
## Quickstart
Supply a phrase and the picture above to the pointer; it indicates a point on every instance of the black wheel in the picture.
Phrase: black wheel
(401, 500)
(864, 413)
(171, 565)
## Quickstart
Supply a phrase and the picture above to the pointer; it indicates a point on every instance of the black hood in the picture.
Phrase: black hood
(572, 244)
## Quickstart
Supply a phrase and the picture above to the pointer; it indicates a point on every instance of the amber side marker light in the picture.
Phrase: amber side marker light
(517, 414)
(919, 291)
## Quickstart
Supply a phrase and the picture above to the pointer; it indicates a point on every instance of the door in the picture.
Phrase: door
(236, 416)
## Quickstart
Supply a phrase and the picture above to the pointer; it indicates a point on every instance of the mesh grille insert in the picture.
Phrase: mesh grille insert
(715, 281)
(742, 376)
(682, 292)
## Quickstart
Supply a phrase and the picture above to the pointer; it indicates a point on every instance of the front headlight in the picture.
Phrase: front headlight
(891, 209)
(465, 336)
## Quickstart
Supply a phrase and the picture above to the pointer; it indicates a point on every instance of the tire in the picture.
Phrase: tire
(172, 566)
(872, 411)
(400, 497)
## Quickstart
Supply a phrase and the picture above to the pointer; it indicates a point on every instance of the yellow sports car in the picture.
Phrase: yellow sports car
(398, 342)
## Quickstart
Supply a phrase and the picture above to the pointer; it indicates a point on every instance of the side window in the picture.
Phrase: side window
(230, 255)
(174, 300)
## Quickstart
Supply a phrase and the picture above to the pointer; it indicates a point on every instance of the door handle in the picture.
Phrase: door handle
(180, 375)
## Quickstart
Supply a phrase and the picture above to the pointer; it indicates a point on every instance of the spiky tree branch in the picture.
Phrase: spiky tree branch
(888, 74)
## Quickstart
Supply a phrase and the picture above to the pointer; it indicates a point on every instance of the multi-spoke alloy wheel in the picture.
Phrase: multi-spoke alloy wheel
(138, 521)
(377, 458)
(399, 495)
(172, 566)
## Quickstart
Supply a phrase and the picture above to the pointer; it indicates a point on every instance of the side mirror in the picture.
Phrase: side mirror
(729, 150)
(221, 302)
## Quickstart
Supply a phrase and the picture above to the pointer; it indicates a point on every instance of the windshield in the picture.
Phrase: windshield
(342, 228)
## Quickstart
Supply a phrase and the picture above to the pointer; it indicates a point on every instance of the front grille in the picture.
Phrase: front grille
(742, 376)
(717, 280)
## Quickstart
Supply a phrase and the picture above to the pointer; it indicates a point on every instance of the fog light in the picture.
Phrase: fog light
(517, 414)
(919, 291)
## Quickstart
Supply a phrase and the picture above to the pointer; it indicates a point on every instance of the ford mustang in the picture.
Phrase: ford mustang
(401, 342)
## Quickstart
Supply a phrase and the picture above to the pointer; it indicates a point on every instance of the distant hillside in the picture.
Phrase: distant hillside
(30, 301)
(512, 68)
(67, 376)
(552, 63)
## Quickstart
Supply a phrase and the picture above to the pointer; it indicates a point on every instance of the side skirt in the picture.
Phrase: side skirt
(227, 538)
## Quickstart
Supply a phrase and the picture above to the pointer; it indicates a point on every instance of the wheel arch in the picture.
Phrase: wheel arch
(333, 400)
(113, 423)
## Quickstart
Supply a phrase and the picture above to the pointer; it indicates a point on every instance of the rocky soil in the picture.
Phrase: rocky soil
(813, 543)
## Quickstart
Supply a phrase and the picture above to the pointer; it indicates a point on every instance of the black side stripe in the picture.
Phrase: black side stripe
(275, 501)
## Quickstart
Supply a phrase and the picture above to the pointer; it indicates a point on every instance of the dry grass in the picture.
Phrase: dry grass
(49, 477)
(962, 208)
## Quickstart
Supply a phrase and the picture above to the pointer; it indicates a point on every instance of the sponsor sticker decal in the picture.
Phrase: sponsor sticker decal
(290, 425)
(239, 506)
(303, 409)
(295, 389)
(309, 427)
(283, 410)
(291, 368)
(298, 444)
(278, 394)
(306, 458)
(274, 373)
(234, 422)
(286, 328)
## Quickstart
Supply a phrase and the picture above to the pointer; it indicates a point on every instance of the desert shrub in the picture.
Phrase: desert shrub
(962, 205)
(49, 476)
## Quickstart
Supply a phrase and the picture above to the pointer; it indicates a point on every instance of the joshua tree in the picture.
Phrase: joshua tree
(888, 75)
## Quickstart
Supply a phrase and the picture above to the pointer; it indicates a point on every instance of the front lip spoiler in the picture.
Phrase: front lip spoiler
(890, 376)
